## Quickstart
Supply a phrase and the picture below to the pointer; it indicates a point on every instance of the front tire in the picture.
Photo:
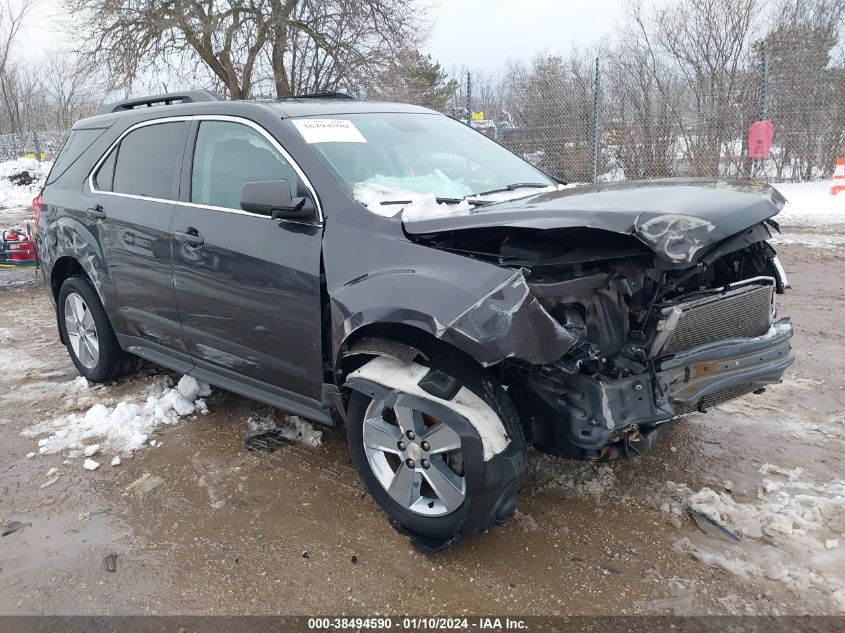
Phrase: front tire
(413, 464)
(88, 334)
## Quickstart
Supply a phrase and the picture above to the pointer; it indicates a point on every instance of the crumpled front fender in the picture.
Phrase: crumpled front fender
(503, 321)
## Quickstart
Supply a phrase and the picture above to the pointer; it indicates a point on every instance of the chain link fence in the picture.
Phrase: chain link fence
(617, 118)
(38, 145)
(611, 120)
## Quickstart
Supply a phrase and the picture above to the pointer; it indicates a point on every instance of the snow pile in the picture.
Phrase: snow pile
(789, 531)
(810, 204)
(781, 509)
(372, 196)
(13, 194)
(303, 432)
(124, 427)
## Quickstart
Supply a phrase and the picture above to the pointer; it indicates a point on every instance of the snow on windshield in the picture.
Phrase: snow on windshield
(383, 200)
(389, 196)
(436, 183)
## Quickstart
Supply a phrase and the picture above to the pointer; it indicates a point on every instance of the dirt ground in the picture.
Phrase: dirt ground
(293, 532)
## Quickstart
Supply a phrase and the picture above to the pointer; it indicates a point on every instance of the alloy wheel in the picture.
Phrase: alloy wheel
(416, 458)
(81, 331)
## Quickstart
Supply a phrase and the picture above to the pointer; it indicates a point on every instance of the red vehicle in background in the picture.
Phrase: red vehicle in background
(17, 245)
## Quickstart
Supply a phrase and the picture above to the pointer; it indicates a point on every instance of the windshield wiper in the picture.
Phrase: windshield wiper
(439, 200)
(512, 187)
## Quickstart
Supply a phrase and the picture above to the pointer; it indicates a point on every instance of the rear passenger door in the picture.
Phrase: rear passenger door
(135, 186)
(247, 286)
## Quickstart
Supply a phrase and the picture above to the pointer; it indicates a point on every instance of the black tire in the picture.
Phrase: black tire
(113, 362)
(447, 526)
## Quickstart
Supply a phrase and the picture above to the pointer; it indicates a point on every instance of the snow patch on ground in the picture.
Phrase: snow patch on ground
(810, 240)
(122, 428)
(14, 195)
(784, 507)
(294, 429)
(790, 527)
(786, 530)
(810, 204)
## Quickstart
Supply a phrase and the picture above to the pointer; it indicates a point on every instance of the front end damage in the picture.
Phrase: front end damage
(599, 417)
(655, 324)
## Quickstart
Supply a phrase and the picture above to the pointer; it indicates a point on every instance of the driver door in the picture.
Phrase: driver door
(247, 286)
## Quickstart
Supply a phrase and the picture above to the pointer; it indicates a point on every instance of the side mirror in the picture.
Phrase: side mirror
(272, 198)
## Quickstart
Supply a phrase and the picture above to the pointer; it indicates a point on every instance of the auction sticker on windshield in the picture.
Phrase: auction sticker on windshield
(329, 131)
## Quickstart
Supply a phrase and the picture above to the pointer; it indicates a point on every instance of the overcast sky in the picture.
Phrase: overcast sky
(477, 34)
(481, 34)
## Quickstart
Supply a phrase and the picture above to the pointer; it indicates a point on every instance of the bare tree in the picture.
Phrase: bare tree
(12, 17)
(805, 86)
(73, 89)
(130, 35)
(707, 44)
(640, 116)
(550, 103)
(312, 42)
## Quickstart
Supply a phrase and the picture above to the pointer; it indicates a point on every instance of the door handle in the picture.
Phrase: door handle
(96, 211)
(189, 236)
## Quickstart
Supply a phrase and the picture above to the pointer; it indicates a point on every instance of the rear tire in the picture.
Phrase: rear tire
(88, 334)
(426, 514)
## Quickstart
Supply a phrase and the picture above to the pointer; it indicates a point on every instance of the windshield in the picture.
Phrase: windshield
(394, 154)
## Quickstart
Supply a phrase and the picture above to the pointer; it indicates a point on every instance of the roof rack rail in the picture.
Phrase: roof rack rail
(325, 95)
(170, 98)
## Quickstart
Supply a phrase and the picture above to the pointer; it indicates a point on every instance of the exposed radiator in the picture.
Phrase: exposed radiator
(718, 397)
(742, 312)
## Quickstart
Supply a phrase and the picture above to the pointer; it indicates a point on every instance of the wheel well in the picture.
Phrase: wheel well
(409, 335)
(64, 268)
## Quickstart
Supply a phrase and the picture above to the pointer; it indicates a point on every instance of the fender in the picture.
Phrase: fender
(71, 238)
(500, 320)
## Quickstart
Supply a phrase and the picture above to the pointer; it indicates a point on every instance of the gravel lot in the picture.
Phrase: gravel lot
(214, 529)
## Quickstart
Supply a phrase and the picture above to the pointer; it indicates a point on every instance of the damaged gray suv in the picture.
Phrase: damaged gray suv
(384, 267)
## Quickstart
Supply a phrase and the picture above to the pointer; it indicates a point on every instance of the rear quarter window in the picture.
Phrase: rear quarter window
(75, 145)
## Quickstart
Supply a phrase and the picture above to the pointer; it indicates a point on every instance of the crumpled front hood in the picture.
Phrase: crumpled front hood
(675, 218)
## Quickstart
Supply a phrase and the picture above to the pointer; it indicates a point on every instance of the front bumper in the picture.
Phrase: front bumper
(594, 417)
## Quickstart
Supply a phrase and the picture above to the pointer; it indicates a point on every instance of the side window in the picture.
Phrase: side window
(229, 155)
(104, 178)
(145, 161)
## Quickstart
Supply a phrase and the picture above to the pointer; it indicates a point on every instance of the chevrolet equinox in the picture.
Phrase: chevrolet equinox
(387, 268)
